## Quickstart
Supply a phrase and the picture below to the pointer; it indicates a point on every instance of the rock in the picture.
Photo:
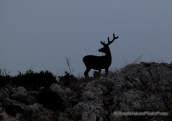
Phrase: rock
(68, 91)
(41, 88)
(6, 117)
(39, 113)
(96, 74)
(35, 107)
(4, 93)
(22, 95)
(92, 105)
(64, 93)
(136, 87)
(63, 117)
(57, 88)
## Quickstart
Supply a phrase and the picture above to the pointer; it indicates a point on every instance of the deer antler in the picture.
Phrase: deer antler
(109, 42)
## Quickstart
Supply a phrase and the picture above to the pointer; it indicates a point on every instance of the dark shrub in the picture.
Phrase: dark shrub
(4, 80)
(34, 80)
(12, 109)
(67, 78)
(1, 117)
(50, 99)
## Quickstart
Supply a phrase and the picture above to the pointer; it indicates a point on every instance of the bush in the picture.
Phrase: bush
(34, 80)
(12, 110)
(50, 99)
(1, 117)
(4, 80)
(67, 78)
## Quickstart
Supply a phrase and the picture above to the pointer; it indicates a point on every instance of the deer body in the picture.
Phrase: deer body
(99, 62)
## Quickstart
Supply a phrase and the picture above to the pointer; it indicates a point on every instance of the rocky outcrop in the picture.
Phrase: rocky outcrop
(22, 95)
(5, 116)
(134, 88)
(145, 86)
(17, 104)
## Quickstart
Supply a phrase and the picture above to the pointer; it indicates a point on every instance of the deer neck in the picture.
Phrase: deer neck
(108, 57)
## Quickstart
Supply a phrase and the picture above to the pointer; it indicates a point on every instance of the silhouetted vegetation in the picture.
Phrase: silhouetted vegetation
(50, 99)
(4, 78)
(67, 78)
(1, 117)
(29, 79)
(35, 80)
(12, 109)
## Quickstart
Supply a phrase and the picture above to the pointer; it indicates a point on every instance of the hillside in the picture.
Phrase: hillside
(134, 88)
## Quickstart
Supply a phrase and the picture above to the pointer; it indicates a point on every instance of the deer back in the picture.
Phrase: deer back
(95, 62)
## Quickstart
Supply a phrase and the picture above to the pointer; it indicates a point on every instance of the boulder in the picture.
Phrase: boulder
(22, 95)
(57, 88)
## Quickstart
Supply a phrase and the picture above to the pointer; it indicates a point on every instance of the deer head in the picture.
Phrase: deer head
(106, 49)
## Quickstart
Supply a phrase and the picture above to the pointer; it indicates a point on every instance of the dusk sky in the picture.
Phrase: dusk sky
(40, 34)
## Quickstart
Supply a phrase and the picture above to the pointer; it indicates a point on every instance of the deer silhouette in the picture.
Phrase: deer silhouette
(99, 62)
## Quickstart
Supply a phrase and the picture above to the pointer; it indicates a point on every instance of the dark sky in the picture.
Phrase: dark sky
(40, 34)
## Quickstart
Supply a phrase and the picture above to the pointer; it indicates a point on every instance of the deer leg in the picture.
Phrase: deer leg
(106, 69)
(99, 72)
(86, 72)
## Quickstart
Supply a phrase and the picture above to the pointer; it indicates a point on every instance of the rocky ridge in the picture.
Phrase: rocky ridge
(134, 88)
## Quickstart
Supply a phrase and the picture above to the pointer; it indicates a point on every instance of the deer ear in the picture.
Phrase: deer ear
(103, 43)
